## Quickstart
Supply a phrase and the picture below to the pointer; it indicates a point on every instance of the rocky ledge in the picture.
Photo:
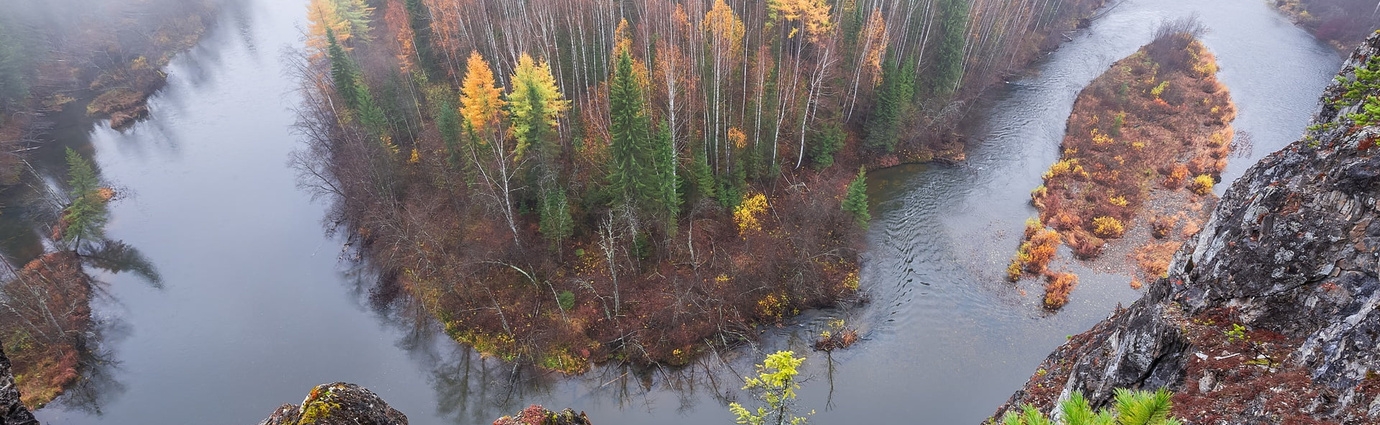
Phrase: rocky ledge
(1269, 314)
(338, 404)
(12, 411)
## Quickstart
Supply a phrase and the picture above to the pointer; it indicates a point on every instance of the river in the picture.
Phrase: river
(256, 303)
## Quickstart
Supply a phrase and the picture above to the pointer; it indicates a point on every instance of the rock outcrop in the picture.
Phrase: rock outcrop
(338, 404)
(12, 411)
(1268, 315)
(537, 415)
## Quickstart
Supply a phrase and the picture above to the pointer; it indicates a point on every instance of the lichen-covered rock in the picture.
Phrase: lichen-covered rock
(12, 411)
(1269, 314)
(537, 415)
(338, 404)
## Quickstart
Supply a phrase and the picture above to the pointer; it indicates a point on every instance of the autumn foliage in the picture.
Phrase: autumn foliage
(1135, 135)
(44, 317)
(575, 181)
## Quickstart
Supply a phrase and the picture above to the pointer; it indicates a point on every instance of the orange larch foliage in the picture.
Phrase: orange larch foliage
(481, 101)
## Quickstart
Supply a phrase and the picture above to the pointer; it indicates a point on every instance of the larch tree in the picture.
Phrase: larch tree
(535, 106)
(347, 19)
(481, 108)
(535, 103)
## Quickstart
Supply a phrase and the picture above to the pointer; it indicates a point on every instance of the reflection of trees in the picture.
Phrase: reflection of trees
(98, 365)
(119, 257)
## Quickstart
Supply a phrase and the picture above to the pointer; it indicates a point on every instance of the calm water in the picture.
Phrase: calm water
(256, 304)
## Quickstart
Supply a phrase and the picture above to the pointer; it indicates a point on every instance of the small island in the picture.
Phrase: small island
(1144, 147)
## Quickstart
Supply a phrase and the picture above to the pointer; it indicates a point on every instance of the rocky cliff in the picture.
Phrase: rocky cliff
(12, 411)
(1269, 314)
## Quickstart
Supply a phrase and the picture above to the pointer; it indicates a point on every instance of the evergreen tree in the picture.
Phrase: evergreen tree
(894, 99)
(448, 124)
(703, 175)
(629, 127)
(855, 201)
(829, 141)
(668, 195)
(954, 34)
(419, 19)
(343, 73)
(87, 214)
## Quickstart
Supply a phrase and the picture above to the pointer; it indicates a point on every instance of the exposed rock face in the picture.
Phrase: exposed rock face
(537, 415)
(338, 404)
(1269, 314)
(12, 411)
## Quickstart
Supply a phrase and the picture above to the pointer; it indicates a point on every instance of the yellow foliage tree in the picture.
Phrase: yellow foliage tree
(349, 19)
(746, 213)
(813, 16)
(725, 30)
(535, 102)
(481, 100)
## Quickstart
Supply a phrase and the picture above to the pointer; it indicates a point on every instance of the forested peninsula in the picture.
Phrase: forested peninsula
(568, 182)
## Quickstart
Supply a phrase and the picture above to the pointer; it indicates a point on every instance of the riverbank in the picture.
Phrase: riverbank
(1340, 23)
(44, 323)
(1149, 138)
(1259, 309)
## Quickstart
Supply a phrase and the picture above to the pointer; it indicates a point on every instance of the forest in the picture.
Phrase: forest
(577, 181)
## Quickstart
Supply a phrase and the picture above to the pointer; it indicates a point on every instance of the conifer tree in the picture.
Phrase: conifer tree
(855, 201)
(535, 104)
(630, 130)
(894, 99)
(87, 214)
(948, 70)
(343, 73)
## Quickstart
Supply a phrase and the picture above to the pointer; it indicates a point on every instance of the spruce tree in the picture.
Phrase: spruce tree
(629, 128)
(855, 201)
(954, 35)
(87, 214)
(419, 19)
(342, 71)
(894, 99)
(668, 195)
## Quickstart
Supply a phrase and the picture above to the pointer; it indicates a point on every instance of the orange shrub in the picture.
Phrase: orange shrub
(1176, 176)
(1057, 289)
(1042, 249)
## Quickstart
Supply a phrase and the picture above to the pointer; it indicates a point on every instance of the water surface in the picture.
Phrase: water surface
(257, 304)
